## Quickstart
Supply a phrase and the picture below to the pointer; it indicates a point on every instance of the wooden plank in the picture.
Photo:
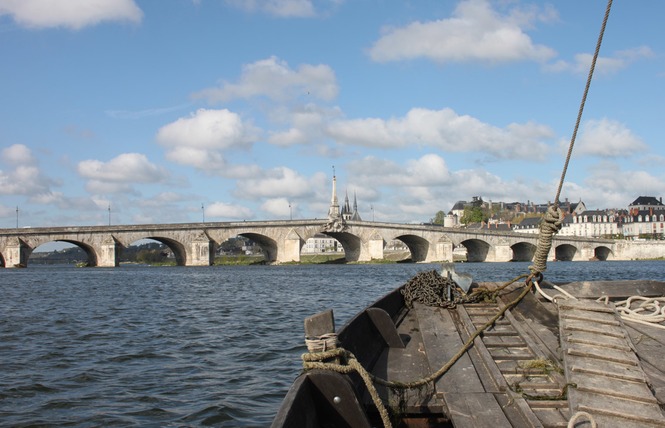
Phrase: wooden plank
(636, 391)
(608, 376)
(475, 410)
(485, 360)
(619, 371)
(442, 342)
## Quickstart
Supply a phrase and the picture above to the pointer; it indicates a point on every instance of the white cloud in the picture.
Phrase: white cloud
(17, 154)
(476, 32)
(24, 177)
(606, 186)
(277, 182)
(606, 138)
(281, 8)
(125, 168)
(274, 79)
(418, 188)
(278, 207)
(200, 140)
(120, 173)
(446, 130)
(307, 124)
(228, 211)
(73, 14)
(604, 65)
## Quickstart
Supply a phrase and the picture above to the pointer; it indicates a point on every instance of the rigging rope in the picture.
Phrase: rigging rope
(554, 217)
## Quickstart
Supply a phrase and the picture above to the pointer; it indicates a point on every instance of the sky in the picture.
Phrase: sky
(143, 111)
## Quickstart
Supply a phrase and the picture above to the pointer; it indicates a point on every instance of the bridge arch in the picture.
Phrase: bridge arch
(565, 252)
(90, 253)
(602, 253)
(178, 249)
(418, 246)
(267, 244)
(523, 252)
(350, 242)
(476, 250)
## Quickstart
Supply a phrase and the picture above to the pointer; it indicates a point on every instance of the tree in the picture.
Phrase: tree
(473, 215)
(439, 217)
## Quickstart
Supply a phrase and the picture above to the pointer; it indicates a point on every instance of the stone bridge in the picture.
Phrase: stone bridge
(194, 244)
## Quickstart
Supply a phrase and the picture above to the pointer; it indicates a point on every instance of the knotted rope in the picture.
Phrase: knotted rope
(550, 225)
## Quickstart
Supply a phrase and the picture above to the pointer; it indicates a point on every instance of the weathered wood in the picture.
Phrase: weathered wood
(319, 398)
(406, 365)
(498, 382)
(615, 290)
(385, 326)
(442, 342)
(320, 324)
(607, 375)
(475, 410)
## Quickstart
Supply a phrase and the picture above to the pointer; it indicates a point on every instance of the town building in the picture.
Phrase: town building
(645, 219)
(590, 223)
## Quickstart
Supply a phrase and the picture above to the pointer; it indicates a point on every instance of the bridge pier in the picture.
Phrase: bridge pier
(375, 246)
(16, 253)
(201, 251)
(501, 253)
(440, 251)
(289, 250)
(585, 254)
(108, 254)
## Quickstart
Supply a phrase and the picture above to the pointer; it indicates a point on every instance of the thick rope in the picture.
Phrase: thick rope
(318, 361)
(552, 222)
(550, 225)
(349, 363)
(649, 310)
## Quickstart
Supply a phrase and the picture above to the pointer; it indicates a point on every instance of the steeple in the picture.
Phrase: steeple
(354, 215)
(346, 208)
(333, 212)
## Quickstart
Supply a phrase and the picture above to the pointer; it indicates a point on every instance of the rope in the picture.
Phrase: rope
(349, 363)
(651, 311)
(322, 343)
(550, 225)
(554, 216)
(576, 416)
(581, 109)
(317, 361)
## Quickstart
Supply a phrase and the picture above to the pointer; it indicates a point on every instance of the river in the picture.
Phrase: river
(175, 346)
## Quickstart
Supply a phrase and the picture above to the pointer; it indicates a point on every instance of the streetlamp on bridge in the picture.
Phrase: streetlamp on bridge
(17, 216)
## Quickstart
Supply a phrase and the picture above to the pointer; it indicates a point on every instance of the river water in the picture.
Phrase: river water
(175, 346)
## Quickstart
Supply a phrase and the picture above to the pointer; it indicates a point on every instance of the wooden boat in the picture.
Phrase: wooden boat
(572, 361)
(434, 353)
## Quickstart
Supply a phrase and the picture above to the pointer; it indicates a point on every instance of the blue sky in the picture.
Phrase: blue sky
(158, 108)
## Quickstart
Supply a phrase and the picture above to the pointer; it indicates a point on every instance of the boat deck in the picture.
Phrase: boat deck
(538, 365)
(541, 364)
